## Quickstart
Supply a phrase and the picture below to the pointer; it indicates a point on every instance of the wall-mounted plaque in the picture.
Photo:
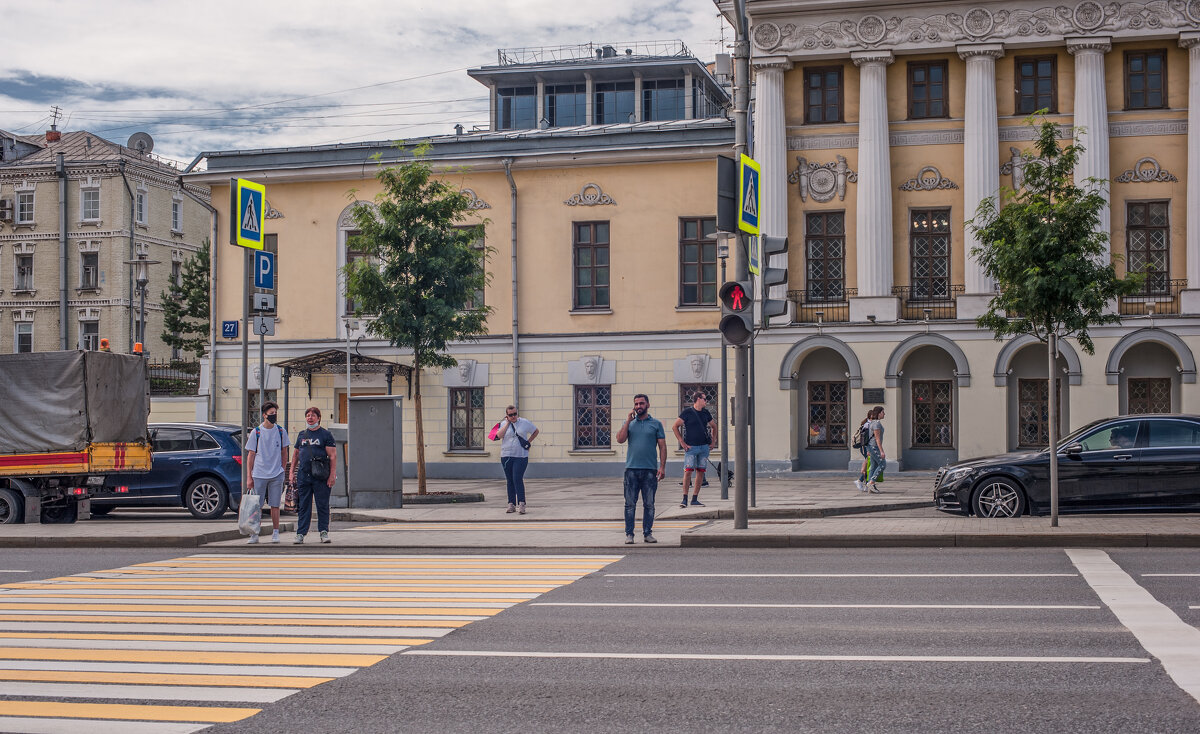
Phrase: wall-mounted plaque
(872, 396)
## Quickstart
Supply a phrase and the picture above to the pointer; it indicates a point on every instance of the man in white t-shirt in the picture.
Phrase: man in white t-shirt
(267, 451)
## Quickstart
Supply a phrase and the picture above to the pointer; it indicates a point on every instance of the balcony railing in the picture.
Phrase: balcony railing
(918, 303)
(1158, 297)
(174, 378)
(824, 304)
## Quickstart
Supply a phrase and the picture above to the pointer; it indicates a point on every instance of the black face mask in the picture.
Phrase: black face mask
(271, 418)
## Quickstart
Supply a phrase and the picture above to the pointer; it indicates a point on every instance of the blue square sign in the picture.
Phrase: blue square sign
(264, 270)
(229, 329)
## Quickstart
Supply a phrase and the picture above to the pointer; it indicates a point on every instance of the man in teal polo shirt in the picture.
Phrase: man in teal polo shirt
(641, 473)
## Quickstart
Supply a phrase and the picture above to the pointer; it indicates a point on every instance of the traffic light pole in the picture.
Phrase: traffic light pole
(741, 356)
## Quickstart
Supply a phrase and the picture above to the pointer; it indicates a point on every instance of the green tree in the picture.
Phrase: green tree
(421, 274)
(185, 306)
(1052, 266)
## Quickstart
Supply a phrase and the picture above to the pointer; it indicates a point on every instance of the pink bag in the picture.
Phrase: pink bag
(492, 435)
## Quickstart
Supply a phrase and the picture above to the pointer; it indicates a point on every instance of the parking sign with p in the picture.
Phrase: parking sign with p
(264, 270)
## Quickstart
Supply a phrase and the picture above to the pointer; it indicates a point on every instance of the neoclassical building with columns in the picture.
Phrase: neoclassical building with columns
(880, 126)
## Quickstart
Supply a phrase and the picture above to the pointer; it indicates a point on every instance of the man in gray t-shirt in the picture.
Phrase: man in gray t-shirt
(267, 454)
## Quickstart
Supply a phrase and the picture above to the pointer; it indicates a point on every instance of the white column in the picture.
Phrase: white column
(541, 102)
(689, 109)
(873, 237)
(494, 121)
(1091, 114)
(1191, 297)
(637, 96)
(770, 150)
(981, 166)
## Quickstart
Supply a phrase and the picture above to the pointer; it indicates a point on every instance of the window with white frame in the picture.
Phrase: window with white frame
(24, 207)
(24, 273)
(89, 205)
(177, 272)
(140, 206)
(24, 338)
(89, 270)
(177, 215)
(89, 335)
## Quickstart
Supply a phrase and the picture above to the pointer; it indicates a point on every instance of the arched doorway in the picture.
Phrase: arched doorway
(819, 372)
(1149, 367)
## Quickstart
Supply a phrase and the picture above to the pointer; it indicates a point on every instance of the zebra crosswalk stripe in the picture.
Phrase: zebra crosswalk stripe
(199, 629)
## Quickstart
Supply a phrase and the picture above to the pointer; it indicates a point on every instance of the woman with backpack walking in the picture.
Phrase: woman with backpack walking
(862, 437)
(878, 459)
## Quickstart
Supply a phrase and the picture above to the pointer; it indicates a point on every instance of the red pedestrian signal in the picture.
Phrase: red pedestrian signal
(737, 323)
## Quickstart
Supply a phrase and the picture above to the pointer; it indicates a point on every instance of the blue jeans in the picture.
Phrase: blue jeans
(306, 492)
(645, 483)
(514, 474)
(877, 463)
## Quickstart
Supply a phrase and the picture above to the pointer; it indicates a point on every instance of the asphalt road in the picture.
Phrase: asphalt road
(934, 646)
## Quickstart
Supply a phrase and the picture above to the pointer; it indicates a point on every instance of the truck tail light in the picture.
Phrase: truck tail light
(122, 489)
(78, 491)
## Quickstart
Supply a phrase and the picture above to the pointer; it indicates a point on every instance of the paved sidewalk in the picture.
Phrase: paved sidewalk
(816, 509)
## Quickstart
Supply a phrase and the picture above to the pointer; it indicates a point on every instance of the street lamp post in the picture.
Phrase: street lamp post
(723, 239)
(141, 277)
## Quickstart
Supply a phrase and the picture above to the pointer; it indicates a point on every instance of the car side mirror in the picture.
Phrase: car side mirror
(1073, 450)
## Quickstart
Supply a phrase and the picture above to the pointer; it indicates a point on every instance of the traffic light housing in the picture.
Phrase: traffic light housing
(773, 276)
(737, 312)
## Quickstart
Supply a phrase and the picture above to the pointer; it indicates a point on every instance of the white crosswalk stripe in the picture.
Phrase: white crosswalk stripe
(84, 651)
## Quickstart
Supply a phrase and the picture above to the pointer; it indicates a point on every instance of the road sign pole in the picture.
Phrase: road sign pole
(245, 362)
(741, 107)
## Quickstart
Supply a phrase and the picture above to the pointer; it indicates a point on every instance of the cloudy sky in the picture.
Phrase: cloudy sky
(236, 74)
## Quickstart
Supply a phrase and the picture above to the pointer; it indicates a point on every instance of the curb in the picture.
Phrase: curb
(942, 540)
(131, 541)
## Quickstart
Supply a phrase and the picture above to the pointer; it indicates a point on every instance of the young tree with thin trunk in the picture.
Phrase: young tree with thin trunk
(185, 306)
(1050, 262)
(424, 267)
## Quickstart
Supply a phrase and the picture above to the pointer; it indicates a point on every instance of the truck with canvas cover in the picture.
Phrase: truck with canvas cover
(66, 420)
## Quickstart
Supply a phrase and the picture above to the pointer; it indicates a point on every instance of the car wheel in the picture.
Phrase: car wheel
(998, 498)
(60, 514)
(12, 507)
(101, 511)
(206, 499)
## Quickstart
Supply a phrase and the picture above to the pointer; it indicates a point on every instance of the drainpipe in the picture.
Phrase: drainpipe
(212, 292)
(132, 248)
(516, 354)
(60, 170)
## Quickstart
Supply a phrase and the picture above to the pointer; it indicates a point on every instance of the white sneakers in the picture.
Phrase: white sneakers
(521, 508)
(275, 536)
(252, 540)
(861, 487)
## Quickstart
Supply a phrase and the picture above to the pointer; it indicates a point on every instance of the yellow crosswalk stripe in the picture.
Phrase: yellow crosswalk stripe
(164, 679)
(58, 709)
(396, 641)
(200, 603)
(192, 657)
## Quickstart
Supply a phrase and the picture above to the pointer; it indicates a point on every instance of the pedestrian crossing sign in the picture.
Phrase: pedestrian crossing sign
(749, 194)
(246, 200)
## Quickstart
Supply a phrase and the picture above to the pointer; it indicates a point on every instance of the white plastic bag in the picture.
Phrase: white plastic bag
(250, 514)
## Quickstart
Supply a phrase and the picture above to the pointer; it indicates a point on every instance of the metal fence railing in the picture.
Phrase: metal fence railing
(921, 303)
(1158, 297)
(174, 378)
(829, 304)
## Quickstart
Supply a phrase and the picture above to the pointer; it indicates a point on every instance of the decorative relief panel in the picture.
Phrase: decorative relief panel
(1015, 167)
(978, 24)
(346, 219)
(272, 212)
(89, 314)
(822, 181)
(592, 370)
(928, 178)
(89, 245)
(467, 373)
(590, 195)
(1146, 170)
(22, 314)
(475, 202)
(23, 248)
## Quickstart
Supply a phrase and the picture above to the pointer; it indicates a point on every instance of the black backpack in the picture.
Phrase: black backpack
(862, 437)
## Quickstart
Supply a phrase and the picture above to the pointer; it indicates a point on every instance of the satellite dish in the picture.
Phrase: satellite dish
(141, 142)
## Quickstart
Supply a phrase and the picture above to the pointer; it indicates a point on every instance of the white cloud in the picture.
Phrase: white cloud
(204, 75)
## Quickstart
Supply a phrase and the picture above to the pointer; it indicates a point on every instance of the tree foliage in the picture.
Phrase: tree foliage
(1043, 248)
(424, 267)
(186, 306)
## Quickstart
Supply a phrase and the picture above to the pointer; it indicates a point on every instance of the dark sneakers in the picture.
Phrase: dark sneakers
(647, 539)
(629, 539)
(697, 503)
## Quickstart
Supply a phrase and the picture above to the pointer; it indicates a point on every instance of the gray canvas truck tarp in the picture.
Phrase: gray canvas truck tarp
(62, 401)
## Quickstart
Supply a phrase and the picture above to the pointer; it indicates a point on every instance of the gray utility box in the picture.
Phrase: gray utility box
(376, 451)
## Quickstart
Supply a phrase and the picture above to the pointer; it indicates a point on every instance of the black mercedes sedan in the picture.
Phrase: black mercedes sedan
(1130, 463)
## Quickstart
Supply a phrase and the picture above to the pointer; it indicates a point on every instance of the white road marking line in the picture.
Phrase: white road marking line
(13, 570)
(1075, 607)
(778, 658)
(305, 558)
(846, 575)
(144, 693)
(122, 667)
(1158, 629)
(36, 725)
(200, 646)
(1186, 575)
(218, 629)
(339, 577)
